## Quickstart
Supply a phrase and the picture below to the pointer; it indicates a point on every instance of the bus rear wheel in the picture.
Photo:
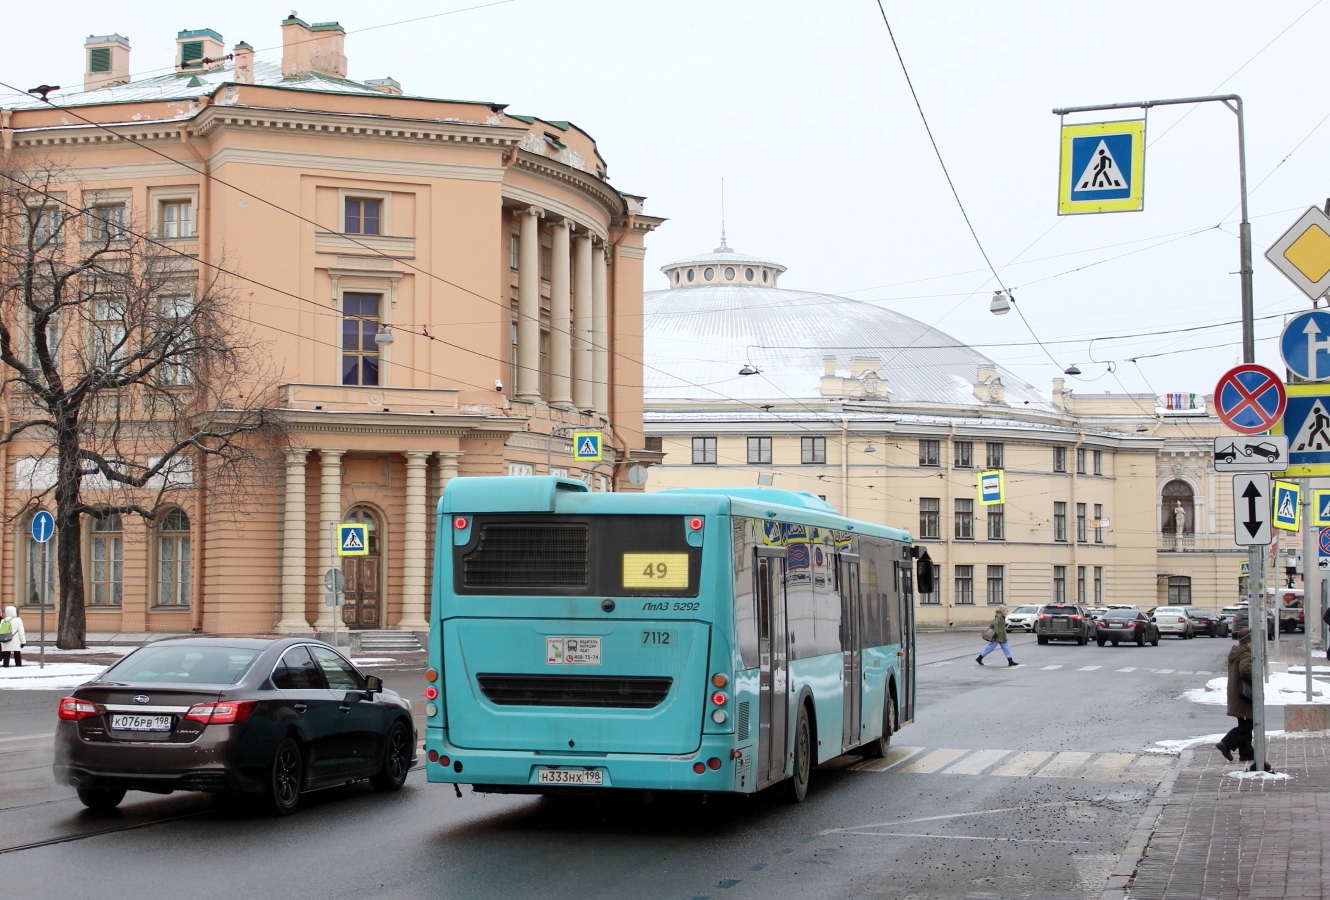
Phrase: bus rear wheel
(796, 786)
(877, 748)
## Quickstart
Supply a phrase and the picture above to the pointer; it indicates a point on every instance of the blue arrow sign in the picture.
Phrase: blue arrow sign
(1305, 345)
(42, 526)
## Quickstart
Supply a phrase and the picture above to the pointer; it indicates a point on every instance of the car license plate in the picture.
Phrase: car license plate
(580, 777)
(141, 723)
(572, 651)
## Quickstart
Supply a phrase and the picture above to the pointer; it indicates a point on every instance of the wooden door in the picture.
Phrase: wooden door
(364, 596)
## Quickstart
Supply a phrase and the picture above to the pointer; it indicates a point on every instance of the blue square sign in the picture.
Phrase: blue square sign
(992, 488)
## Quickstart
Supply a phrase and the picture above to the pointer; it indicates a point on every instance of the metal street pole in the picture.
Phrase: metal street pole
(41, 652)
(1255, 555)
(1309, 535)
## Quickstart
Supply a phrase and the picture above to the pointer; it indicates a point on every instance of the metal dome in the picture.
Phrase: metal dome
(811, 346)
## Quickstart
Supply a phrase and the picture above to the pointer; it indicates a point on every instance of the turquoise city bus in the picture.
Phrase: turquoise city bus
(717, 640)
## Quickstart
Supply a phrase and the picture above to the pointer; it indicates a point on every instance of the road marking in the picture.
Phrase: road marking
(1199, 672)
(1108, 766)
(1023, 763)
(1128, 669)
(934, 761)
(1088, 668)
(28, 737)
(976, 762)
(962, 815)
(895, 756)
(1186, 672)
(1163, 671)
(945, 662)
(1065, 764)
(967, 837)
(1050, 668)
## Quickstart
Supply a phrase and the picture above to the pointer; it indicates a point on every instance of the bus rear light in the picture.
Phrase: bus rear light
(431, 709)
(460, 523)
(72, 709)
(433, 755)
(719, 717)
(719, 698)
(431, 692)
(713, 764)
(445, 761)
(719, 680)
(695, 523)
(431, 675)
(735, 754)
(699, 768)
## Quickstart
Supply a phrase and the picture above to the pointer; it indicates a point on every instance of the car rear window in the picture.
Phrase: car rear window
(1027, 609)
(1062, 610)
(1171, 610)
(189, 664)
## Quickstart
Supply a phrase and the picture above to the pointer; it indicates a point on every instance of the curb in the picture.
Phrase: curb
(1115, 888)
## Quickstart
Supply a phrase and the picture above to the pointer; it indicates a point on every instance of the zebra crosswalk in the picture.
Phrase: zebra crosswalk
(1021, 763)
(1052, 667)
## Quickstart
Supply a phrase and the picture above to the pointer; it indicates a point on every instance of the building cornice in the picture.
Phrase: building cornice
(399, 424)
(567, 177)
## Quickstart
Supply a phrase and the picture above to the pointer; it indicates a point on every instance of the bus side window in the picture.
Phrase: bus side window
(763, 605)
(872, 607)
(745, 588)
(901, 582)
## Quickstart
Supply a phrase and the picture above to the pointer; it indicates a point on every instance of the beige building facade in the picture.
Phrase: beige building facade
(892, 421)
(443, 288)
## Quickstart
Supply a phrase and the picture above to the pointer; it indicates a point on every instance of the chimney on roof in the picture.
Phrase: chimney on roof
(312, 48)
(244, 57)
(198, 50)
(385, 86)
(107, 60)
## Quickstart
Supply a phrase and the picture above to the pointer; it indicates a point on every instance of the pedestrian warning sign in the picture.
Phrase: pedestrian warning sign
(1287, 498)
(353, 540)
(1306, 421)
(587, 446)
(1103, 167)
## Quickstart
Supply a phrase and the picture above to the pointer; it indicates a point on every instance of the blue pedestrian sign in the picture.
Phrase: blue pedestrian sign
(1305, 345)
(1102, 167)
(353, 540)
(42, 526)
(1320, 508)
(992, 488)
(587, 446)
(1306, 421)
(1286, 506)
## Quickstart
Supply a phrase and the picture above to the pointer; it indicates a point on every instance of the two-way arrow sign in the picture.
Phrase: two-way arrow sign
(1251, 510)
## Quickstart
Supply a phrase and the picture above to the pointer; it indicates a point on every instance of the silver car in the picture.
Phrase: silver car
(1022, 618)
(1174, 620)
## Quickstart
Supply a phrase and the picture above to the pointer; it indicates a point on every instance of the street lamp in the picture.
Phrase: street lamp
(1000, 305)
(749, 369)
(1072, 369)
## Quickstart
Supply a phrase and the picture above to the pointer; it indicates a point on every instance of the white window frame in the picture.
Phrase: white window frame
(385, 199)
(92, 200)
(159, 196)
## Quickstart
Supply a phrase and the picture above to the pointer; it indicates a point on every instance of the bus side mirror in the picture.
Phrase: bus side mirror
(924, 579)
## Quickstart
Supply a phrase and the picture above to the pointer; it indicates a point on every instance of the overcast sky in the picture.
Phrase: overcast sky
(802, 108)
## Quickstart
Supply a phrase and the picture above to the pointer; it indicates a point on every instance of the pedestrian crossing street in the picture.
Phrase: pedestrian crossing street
(1021, 764)
(1001, 663)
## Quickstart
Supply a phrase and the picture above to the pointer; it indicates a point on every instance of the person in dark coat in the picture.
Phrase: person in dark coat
(1239, 707)
(999, 626)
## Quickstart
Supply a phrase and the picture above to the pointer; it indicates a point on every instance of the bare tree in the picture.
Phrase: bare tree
(127, 372)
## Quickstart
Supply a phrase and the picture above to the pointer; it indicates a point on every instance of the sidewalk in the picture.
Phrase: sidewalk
(1220, 837)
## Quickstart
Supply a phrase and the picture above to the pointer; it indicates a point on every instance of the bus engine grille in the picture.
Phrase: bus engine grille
(537, 554)
(605, 691)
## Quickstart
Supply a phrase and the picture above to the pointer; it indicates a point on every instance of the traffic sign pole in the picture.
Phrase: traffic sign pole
(1310, 577)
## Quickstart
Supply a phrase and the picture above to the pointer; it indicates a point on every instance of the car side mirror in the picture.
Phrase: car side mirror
(373, 684)
(1152, 618)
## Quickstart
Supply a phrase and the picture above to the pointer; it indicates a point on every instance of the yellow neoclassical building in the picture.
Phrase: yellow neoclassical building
(891, 421)
(442, 287)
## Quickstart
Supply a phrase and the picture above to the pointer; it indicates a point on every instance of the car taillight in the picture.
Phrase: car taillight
(224, 712)
(1075, 618)
(1045, 616)
(72, 709)
(699, 767)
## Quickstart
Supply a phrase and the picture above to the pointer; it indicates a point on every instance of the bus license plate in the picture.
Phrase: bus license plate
(141, 723)
(579, 777)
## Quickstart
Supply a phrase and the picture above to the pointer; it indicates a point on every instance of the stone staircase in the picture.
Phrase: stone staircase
(386, 642)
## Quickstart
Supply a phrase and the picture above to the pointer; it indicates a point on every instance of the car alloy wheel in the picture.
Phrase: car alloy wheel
(396, 760)
(286, 779)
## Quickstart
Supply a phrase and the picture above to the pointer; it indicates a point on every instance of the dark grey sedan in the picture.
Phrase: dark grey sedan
(1120, 625)
(265, 717)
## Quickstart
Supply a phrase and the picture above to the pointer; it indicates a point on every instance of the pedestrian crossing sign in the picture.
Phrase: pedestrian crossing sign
(1321, 509)
(587, 446)
(353, 540)
(1287, 499)
(1307, 423)
(1102, 168)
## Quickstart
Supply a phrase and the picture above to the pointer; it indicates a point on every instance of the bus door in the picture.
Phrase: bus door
(905, 616)
(772, 662)
(851, 654)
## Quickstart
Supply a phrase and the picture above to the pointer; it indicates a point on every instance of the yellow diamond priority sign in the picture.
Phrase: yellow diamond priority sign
(1303, 253)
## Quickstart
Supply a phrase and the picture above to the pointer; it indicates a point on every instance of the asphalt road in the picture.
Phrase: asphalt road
(1013, 782)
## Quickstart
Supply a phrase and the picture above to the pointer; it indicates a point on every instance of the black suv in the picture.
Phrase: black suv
(1064, 622)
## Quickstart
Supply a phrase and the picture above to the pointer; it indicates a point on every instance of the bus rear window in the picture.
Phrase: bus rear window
(608, 556)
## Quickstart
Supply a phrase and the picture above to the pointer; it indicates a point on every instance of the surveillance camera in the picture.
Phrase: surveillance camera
(498, 385)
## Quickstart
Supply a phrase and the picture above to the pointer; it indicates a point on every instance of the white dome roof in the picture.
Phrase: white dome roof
(810, 346)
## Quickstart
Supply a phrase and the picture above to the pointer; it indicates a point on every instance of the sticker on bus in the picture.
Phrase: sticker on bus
(572, 651)
(667, 571)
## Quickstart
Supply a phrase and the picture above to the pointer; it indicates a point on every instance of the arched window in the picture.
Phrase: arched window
(1178, 502)
(106, 552)
(39, 571)
(173, 559)
(362, 515)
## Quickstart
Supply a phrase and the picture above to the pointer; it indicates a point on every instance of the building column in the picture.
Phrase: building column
(583, 397)
(330, 514)
(414, 576)
(293, 619)
(561, 319)
(528, 305)
(600, 332)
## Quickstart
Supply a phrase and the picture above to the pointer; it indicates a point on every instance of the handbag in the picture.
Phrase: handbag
(988, 634)
(1244, 689)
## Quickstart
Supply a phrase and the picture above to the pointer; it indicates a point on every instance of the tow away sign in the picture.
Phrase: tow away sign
(1251, 453)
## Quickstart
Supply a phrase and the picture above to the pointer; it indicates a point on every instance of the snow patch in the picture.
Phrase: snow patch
(1173, 748)
(1267, 776)
(57, 676)
(373, 660)
(1282, 689)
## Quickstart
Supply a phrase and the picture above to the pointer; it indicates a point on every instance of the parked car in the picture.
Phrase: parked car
(1229, 614)
(1208, 622)
(1022, 618)
(1126, 624)
(1243, 615)
(264, 717)
(1174, 620)
(1063, 622)
(1096, 612)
